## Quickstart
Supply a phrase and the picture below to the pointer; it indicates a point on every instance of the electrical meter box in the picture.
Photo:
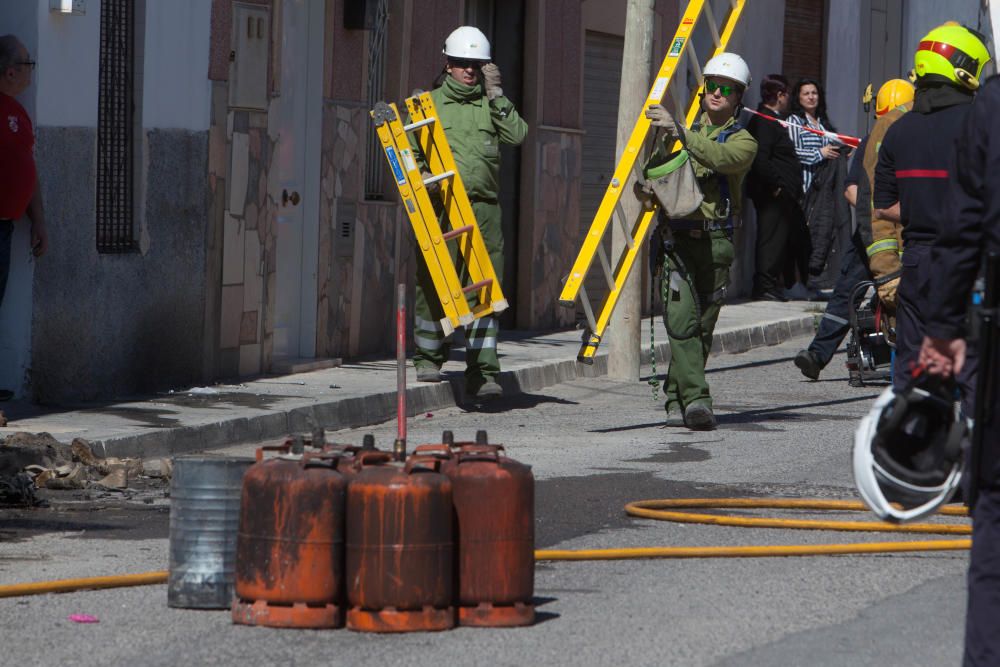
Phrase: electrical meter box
(248, 74)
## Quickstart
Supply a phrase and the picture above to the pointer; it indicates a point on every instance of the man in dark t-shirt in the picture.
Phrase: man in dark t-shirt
(19, 192)
(774, 183)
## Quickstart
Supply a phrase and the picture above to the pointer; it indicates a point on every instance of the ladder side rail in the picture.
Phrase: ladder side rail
(416, 217)
(458, 208)
(622, 271)
(627, 261)
(630, 154)
(475, 253)
(420, 209)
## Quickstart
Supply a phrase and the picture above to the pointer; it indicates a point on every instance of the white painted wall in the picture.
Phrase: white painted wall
(176, 87)
(843, 78)
(763, 56)
(920, 16)
(175, 64)
(21, 19)
(67, 56)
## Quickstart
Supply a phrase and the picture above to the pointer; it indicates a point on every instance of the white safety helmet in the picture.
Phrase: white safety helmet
(467, 43)
(729, 66)
(908, 452)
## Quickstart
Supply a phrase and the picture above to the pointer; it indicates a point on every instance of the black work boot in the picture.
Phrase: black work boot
(699, 417)
(809, 364)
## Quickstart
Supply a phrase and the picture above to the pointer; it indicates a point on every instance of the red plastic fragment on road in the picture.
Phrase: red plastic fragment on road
(83, 618)
(430, 414)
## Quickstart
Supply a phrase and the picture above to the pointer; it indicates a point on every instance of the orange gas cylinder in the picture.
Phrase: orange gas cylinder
(399, 546)
(290, 545)
(348, 455)
(494, 499)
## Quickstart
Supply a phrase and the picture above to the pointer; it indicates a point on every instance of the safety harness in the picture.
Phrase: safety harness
(730, 221)
(666, 247)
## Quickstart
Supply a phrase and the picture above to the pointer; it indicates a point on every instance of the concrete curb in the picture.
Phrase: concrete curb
(377, 408)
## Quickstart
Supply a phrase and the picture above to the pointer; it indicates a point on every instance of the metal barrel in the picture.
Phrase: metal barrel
(204, 517)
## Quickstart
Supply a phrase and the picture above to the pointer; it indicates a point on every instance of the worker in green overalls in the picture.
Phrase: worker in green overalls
(697, 249)
(477, 118)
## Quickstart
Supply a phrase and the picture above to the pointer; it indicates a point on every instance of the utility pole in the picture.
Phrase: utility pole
(623, 354)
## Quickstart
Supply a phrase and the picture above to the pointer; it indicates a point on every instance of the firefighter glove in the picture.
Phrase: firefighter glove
(660, 117)
(887, 293)
(491, 78)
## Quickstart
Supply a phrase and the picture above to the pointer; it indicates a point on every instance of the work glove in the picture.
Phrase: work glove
(491, 79)
(660, 117)
(432, 188)
(887, 293)
(643, 191)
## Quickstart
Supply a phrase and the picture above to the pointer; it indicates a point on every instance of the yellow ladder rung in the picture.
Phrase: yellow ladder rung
(418, 124)
(477, 286)
(439, 177)
(447, 236)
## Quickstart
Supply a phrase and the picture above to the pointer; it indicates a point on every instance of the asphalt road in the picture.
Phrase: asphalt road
(593, 445)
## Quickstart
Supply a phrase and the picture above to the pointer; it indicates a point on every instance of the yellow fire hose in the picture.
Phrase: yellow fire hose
(664, 510)
(657, 509)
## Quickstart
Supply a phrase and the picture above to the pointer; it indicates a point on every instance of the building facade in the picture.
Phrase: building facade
(218, 207)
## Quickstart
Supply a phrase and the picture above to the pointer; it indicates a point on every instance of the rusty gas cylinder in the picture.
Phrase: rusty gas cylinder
(442, 452)
(347, 464)
(399, 546)
(494, 498)
(290, 545)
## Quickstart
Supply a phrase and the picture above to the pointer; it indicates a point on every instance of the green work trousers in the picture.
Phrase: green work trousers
(432, 347)
(695, 275)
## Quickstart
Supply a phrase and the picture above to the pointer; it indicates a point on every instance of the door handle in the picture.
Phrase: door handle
(293, 197)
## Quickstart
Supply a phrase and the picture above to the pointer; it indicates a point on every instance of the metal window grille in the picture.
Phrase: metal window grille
(374, 164)
(114, 128)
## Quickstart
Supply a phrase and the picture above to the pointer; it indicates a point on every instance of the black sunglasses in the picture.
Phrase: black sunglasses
(465, 64)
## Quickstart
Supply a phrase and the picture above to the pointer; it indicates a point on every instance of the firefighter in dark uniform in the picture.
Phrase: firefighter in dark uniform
(971, 229)
(911, 178)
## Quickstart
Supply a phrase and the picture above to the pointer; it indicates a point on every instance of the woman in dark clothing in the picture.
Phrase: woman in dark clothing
(823, 178)
(774, 185)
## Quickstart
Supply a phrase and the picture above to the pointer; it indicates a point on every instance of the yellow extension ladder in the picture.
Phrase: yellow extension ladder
(451, 289)
(698, 13)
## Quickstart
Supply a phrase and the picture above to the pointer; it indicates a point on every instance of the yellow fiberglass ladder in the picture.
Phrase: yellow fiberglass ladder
(701, 16)
(476, 281)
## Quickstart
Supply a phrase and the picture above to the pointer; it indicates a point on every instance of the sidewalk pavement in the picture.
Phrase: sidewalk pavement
(363, 393)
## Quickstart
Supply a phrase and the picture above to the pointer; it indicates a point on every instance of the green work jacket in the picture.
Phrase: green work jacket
(475, 127)
(732, 159)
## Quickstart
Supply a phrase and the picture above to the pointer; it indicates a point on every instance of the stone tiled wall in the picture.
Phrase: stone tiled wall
(241, 268)
(552, 246)
(358, 259)
(243, 213)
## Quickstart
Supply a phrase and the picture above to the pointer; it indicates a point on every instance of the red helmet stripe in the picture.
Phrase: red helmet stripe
(946, 50)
